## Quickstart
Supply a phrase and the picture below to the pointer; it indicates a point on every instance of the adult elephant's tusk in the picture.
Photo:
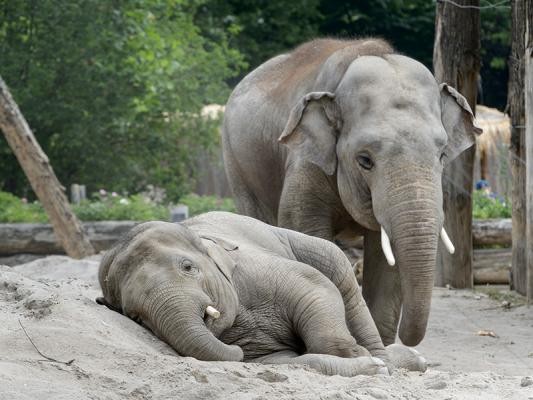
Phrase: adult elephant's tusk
(387, 249)
(212, 311)
(447, 242)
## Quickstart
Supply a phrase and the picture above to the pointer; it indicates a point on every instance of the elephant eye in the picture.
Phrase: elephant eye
(188, 267)
(365, 161)
(443, 157)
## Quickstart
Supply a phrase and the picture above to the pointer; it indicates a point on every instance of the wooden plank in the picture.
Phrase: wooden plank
(456, 57)
(42, 178)
(528, 78)
(515, 105)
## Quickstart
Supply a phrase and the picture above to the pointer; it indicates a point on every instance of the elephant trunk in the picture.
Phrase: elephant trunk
(414, 229)
(178, 318)
(417, 255)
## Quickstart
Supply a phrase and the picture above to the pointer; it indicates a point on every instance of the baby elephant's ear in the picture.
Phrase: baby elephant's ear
(458, 120)
(218, 249)
(311, 129)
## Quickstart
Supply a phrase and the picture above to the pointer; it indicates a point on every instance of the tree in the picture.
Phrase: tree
(66, 226)
(456, 62)
(113, 89)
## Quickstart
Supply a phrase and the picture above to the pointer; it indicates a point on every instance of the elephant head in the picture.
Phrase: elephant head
(387, 129)
(177, 284)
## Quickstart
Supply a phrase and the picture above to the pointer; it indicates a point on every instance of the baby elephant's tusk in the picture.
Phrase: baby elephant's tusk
(212, 311)
(387, 249)
(447, 242)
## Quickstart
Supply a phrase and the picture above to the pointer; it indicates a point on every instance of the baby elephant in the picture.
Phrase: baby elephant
(224, 287)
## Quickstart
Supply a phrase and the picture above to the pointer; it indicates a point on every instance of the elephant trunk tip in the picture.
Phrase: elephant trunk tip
(411, 335)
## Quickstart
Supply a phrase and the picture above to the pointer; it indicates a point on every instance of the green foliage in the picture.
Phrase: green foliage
(109, 208)
(495, 48)
(13, 209)
(201, 204)
(485, 206)
(113, 90)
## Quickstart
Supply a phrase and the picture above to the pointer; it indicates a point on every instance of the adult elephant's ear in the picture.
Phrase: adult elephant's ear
(218, 249)
(458, 120)
(312, 129)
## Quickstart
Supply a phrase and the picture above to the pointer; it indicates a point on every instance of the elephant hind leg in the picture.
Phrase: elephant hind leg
(246, 201)
(328, 364)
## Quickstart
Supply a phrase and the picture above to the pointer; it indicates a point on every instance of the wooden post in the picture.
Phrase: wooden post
(515, 105)
(528, 78)
(456, 61)
(44, 182)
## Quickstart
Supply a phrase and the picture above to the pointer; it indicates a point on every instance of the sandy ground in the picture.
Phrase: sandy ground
(114, 358)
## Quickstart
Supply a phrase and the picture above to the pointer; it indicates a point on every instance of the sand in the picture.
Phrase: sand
(114, 358)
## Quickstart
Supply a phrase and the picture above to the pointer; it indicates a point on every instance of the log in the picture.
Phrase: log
(456, 58)
(492, 266)
(528, 93)
(41, 239)
(492, 232)
(42, 178)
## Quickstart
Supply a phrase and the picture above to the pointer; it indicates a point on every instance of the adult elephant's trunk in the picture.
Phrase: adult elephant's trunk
(413, 225)
(178, 318)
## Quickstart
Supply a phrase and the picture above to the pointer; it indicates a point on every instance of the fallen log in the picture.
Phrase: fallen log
(492, 266)
(40, 238)
(492, 231)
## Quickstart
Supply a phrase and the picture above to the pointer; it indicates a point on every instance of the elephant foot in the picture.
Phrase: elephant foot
(328, 364)
(348, 367)
(401, 356)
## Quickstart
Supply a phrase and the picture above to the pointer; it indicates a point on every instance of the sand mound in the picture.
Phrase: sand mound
(114, 358)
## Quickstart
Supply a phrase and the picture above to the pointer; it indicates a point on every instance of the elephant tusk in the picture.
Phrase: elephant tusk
(387, 249)
(447, 242)
(212, 311)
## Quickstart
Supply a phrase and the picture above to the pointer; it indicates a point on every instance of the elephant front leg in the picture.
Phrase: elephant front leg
(328, 364)
(381, 288)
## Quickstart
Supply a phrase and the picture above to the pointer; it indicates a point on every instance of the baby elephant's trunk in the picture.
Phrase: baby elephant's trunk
(179, 320)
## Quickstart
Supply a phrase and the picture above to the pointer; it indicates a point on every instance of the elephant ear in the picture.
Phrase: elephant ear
(312, 129)
(218, 249)
(458, 120)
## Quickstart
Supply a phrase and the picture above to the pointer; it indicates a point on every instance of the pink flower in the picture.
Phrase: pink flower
(24, 200)
(114, 194)
(102, 192)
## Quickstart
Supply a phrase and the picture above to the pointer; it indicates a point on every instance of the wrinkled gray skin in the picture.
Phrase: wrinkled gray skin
(283, 297)
(339, 138)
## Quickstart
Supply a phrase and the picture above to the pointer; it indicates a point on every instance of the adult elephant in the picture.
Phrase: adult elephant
(345, 138)
(224, 287)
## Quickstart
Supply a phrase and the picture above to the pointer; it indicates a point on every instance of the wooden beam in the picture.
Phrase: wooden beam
(42, 178)
(515, 105)
(456, 61)
(528, 93)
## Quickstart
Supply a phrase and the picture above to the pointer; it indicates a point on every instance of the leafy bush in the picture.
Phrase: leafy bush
(201, 204)
(13, 209)
(110, 207)
(486, 206)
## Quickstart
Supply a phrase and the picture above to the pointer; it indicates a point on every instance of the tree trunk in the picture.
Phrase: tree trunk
(41, 176)
(456, 61)
(528, 55)
(515, 105)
